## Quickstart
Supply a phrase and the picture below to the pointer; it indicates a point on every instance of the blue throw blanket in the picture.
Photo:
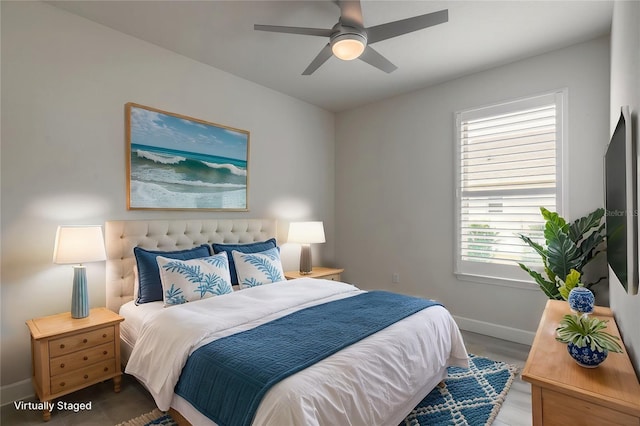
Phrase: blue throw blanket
(227, 378)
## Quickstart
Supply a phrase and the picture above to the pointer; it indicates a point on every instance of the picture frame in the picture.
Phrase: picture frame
(175, 162)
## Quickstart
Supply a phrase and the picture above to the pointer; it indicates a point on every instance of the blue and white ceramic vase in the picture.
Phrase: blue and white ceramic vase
(581, 300)
(585, 357)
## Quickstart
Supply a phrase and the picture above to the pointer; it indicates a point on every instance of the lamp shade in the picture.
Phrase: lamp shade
(306, 232)
(79, 244)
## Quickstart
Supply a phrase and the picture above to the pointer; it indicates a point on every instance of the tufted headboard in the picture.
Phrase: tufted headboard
(122, 236)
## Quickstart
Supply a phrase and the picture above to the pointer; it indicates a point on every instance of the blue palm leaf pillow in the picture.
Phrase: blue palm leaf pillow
(188, 280)
(149, 285)
(260, 268)
(256, 247)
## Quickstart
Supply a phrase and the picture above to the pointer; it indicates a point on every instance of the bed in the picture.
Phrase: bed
(376, 381)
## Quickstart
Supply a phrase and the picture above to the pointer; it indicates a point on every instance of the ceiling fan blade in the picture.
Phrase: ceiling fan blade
(322, 57)
(294, 30)
(372, 57)
(404, 26)
(351, 12)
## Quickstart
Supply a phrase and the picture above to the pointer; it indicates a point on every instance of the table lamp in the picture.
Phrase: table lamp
(78, 245)
(306, 233)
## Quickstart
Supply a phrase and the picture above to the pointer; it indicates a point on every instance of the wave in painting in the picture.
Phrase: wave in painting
(159, 158)
(170, 179)
(172, 159)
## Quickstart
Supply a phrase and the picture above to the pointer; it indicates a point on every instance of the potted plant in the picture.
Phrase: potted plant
(587, 342)
(569, 246)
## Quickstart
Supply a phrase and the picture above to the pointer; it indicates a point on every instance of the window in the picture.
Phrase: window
(509, 163)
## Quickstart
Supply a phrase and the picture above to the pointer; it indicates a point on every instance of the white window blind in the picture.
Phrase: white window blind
(508, 165)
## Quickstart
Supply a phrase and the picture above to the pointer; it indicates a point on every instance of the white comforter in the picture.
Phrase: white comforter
(365, 383)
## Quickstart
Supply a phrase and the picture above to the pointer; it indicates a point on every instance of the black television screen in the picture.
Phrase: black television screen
(620, 203)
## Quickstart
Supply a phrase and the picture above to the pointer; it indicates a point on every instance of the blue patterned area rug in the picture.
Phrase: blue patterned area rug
(153, 418)
(469, 397)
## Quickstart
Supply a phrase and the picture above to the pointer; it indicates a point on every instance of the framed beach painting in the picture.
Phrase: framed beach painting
(176, 162)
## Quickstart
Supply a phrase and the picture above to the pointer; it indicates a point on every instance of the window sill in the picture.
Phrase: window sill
(503, 282)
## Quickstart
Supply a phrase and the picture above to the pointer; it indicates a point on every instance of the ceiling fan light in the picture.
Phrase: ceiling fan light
(348, 46)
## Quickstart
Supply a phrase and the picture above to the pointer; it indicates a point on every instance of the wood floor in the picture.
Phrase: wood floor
(109, 408)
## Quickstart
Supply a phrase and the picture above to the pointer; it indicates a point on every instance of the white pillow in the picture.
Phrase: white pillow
(136, 282)
(188, 280)
(258, 268)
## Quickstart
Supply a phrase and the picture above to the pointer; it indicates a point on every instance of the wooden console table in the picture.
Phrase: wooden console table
(563, 393)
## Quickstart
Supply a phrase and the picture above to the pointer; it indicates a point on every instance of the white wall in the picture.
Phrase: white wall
(65, 81)
(395, 182)
(625, 90)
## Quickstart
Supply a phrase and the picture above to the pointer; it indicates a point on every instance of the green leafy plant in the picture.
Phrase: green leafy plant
(583, 331)
(569, 246)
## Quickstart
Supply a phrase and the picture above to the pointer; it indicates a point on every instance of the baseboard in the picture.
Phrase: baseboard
(495, 330)
(22, 390)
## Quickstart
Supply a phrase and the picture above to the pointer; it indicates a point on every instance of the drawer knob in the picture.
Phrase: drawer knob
(85, 358)
(86, 376)
(106, 369)
(104, 352)
(62, 383)
(104, 336)
(62, 365)
(84, 340)
(62, 346)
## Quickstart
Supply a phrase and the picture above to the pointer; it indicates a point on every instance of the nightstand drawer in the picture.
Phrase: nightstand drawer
(80, 341)
(559, 409)
(81, 359)
(80, 378)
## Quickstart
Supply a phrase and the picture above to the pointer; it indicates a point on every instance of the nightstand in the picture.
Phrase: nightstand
(70, 354)
(317, 272)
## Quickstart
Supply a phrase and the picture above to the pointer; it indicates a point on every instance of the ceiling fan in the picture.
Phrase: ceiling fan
(349, 39)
